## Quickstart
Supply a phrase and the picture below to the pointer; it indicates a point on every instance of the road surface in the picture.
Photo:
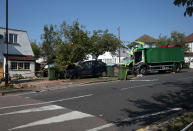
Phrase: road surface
(109, 106)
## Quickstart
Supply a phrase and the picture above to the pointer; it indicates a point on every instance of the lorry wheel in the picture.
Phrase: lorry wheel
(178, 68)
(143, 71)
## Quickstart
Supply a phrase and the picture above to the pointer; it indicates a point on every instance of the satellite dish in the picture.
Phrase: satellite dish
(1, 36)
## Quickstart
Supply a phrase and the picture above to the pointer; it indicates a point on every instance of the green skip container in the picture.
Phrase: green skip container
(110, 71)
(51, 74)
(122, 73)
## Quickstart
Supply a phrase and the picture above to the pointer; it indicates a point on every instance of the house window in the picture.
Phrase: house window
(20, 66)
(13, 65)
(26, 66)
(12, 38)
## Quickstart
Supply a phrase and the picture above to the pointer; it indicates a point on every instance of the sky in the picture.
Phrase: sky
(135, 17)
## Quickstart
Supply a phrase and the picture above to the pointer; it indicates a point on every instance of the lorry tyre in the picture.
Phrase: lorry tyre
(143, 71)
(178, 67)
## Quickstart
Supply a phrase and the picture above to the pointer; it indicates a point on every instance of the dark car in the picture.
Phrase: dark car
(91, 68)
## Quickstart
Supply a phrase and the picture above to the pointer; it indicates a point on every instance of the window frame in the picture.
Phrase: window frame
(11, 65)
(18, 66)
(14, 38)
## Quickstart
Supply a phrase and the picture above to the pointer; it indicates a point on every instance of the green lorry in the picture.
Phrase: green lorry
(144, 60)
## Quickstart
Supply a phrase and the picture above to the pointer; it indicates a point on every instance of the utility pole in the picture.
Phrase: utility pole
(6, 62)
(119, 46)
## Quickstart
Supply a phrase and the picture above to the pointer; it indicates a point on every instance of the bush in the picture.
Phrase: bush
(18, 76)
(59, 70)
(179, 123)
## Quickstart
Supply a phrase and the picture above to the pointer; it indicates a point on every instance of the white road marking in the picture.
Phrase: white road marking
(101, 127)
(153, 114)
(41, 103)
(38, 109)
(148, 84)
(137, 86)
(61, 118)
(145, 80)
(134, 118)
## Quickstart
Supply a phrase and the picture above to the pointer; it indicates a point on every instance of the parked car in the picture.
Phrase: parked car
(91, 68)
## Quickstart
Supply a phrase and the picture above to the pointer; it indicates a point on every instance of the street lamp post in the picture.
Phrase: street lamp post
(6, 62)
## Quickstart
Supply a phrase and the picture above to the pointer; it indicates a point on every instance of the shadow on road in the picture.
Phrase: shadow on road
(176, 99)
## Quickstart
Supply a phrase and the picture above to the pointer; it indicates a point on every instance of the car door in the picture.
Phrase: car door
(87, 68)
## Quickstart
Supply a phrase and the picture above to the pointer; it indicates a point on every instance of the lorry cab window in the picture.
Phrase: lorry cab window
(138, 56)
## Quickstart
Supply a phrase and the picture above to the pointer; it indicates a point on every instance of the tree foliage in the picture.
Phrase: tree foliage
(74, 45)
(187, 3)
(131, 45)
(49, 42)
(176, 38)
(35, 49)
(102, 41)
(163, 40)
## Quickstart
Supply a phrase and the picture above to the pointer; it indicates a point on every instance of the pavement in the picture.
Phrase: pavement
(38, 85)
(108, 106)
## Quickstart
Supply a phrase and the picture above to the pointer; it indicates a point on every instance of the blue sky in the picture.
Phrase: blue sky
(135, 17)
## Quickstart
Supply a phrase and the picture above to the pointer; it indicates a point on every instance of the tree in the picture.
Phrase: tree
(103, 41)
(64, 54)
(49, 42)
(77, 39)
(187, 3)
(35, 49)
(163, 40)
(176, 38)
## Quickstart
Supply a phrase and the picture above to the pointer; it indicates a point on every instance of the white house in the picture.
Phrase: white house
(20, 55)
(189, 55)
(108, 58)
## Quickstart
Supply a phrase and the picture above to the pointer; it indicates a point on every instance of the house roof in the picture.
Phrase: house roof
(188, 54)
(20, 57)
(146, 39)
(189, 38)
(13, 29)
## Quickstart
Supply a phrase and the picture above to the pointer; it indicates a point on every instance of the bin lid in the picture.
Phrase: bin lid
(110, 65)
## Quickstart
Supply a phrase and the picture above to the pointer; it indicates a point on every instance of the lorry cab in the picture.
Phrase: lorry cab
(138, 56)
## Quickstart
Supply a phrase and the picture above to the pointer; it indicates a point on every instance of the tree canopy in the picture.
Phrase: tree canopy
(176, 38)
(102, 41)
(49, 42)
(72, 43)
(35, 49)
(187, 3)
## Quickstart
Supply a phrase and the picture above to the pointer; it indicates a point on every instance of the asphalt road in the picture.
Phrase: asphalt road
(109, 106)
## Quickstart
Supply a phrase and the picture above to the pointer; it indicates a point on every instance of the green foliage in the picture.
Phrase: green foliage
(64, 54)
(35, 49)
(18, 76)
(71, 43)
(103, 41)
(163, 40)
(133, 44)
(179, 123)
(8, 87)
(49, 41)
(176, 38)
(187, 3)
(77, 39)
